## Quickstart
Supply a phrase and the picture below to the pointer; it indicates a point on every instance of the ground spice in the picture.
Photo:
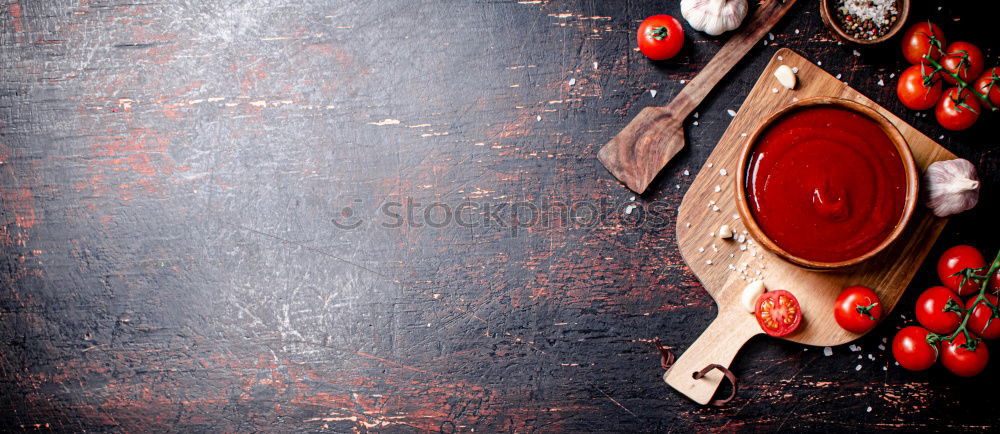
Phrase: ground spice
(866, 19)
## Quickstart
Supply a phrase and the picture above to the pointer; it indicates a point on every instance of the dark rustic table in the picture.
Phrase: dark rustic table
(314, 215)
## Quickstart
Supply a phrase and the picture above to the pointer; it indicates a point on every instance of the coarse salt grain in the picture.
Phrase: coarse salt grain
(827, 351)
(723, 172)
(652, 93)
(868, 410)
(695, 123)
(718, 188)
(572, 81)
(715, 208)
(731, 112)
(774, 90)
(709, 262)
(857, 368)
(710, 165)
(687, 172)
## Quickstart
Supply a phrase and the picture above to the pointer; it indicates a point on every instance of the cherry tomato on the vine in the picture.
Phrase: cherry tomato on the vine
(921, 39)
(911, 349)
(953, 261)
(964, 59)
(857, 309)
(660, 37)
(913, 91)
(931, 311)
(960, 360)
(778, 312)
(982, 321)
(989, 85)
(956, 110)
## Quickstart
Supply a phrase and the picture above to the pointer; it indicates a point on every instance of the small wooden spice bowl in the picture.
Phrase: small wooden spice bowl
(827, 10)
(909, 166)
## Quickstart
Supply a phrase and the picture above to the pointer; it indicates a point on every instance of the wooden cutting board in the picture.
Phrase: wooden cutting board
(724, 268)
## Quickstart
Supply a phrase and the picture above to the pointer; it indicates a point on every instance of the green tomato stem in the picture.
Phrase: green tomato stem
(971, 343)
(961, 83)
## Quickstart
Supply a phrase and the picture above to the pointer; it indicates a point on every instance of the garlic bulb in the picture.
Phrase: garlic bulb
(714, 16)
(952, 187)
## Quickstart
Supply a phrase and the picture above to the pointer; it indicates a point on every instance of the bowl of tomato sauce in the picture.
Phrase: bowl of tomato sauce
(826, 183)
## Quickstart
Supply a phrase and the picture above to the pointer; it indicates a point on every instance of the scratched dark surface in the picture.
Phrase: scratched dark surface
(174, 178)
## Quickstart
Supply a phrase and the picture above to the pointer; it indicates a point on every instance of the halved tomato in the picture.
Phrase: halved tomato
(778, 312)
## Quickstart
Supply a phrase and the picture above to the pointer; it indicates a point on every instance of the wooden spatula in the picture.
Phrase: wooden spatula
(646, 144)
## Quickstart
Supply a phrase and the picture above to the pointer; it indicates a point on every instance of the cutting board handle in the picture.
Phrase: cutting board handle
(718, 344)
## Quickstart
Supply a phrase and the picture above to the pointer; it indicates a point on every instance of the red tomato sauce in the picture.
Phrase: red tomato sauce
(826, 184)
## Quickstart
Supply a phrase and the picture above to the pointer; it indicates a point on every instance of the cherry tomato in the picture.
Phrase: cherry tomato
(857, 309)
(957, 111)
(964, 59)
(778, 312)
(911, 349)
(960, 360)
(931, 310)
(660, 37)
(989, 85)
(921, 39)
(913, 92)
(956, 259)
(983, 321)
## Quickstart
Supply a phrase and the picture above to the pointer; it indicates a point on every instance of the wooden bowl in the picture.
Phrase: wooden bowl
(909, 166)
(828, 13)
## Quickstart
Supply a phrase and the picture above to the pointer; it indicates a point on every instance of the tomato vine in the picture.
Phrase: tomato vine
(976, 274)
(961, 84)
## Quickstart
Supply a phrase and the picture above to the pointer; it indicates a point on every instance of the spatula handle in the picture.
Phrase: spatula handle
(718, 344)
(766, 16)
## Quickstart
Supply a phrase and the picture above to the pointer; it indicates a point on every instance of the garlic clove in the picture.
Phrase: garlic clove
(785, 76)
(725, 232)
(751, 292)
(952, 187)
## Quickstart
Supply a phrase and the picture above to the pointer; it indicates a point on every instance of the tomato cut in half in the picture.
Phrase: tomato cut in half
(857, 309)
(778, 312)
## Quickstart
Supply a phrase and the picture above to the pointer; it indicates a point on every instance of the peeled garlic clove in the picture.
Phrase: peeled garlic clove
(725, 232)
(751, 293)
(952, 187)
(785, 76)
